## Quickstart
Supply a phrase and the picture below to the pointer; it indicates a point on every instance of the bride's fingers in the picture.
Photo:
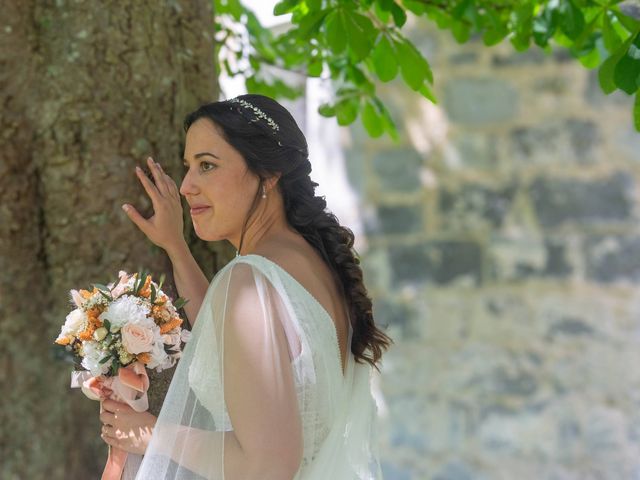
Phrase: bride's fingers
(149, 187)
(141, 222)
(107, 418)
(157, 173)
(171, 184)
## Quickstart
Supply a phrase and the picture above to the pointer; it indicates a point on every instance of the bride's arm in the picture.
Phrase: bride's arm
(193, 449)
(190, 281)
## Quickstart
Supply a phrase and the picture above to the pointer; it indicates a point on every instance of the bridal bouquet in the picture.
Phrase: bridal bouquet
(119, 330)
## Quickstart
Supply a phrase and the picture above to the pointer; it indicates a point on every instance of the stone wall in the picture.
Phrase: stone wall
(503, 252)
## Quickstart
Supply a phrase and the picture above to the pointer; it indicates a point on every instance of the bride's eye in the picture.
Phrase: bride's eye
(203, 164)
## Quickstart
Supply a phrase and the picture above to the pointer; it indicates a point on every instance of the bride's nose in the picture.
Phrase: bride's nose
(188, 187)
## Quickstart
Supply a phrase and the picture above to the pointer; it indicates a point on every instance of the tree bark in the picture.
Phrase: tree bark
(88, 90)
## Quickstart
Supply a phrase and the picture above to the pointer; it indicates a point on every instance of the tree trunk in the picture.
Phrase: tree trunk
(88, 90)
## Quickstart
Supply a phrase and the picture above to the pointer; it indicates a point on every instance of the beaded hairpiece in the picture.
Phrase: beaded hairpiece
(259, 113)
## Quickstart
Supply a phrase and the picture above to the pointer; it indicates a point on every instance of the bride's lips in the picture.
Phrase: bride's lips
(197, 209)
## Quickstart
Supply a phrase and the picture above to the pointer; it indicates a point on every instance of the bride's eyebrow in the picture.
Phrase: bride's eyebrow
(202, 154)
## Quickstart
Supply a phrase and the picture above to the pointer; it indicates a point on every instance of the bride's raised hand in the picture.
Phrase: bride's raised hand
(165, 227)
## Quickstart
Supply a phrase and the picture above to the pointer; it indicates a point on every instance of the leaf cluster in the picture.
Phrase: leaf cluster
(356, 43)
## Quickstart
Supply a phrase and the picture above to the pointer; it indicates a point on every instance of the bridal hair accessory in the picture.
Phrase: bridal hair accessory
(259, 113)
(116, 332)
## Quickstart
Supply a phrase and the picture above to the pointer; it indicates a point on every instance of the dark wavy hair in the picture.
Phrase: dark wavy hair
(268, 150)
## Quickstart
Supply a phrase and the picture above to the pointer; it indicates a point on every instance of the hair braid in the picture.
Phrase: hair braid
(307, 213)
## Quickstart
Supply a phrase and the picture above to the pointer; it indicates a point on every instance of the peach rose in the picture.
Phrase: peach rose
(136, 338)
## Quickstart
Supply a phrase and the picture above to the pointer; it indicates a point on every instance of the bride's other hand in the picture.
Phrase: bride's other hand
(125, 428)
(165, 227)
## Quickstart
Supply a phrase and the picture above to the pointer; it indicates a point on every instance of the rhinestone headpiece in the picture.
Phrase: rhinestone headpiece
(258, 113)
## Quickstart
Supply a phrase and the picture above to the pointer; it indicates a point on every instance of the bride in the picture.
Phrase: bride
(275, 381)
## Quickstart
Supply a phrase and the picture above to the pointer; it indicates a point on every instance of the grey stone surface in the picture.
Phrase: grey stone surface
(398, 170)
(395, 220)
(472, 203)
(613, 257)
(476, 150)
(533, 56)
(402, 315)
(438, 261)
(474, 101)
(557, 259)
(560, 200)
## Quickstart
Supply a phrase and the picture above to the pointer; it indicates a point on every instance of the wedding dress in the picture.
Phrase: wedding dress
(263, 351)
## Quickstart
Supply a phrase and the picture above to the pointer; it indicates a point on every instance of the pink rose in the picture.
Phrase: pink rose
(136, 338)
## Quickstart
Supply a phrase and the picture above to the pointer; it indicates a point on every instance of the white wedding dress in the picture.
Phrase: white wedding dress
(263, 370)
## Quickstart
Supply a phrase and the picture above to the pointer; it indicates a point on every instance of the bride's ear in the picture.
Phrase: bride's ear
(270, 182)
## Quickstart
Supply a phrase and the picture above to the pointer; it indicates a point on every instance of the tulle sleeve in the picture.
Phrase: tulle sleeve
(231, 411)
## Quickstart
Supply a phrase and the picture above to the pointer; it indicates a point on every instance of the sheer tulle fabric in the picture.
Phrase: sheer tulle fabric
(259, 390)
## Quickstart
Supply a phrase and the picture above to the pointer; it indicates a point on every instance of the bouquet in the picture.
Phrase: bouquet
(116, 332)
(131, 324)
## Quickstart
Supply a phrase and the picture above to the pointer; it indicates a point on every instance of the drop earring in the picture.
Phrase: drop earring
(264, 192)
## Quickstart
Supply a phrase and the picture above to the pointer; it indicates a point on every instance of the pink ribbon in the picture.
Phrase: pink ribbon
(131, 381)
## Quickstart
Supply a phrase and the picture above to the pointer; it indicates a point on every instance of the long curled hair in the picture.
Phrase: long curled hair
(276, 147)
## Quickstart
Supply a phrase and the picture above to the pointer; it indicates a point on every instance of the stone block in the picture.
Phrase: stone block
(474, 204)
(391, 313)
(612, 258)
(533, 56)
(573, 139)
(395, 220)
(583, 202)
(476, 101)
(557, 258)
(477, 150)
(441, 262)
(398, 170)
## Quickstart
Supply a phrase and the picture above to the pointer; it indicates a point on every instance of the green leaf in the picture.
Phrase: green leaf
(399, 15)
(415, 69)
(107, 324)
(625, 74)
(335, 32)
(629, 23)
(360, 34)
(104, 360)
(384, 60)
(314, 68)
(104, 288)
(591, 59)
(427, 93)
(636, 111)
(606, 74)
(153, 294)
(572, 19)
(381, 13)
(327, 110)
(283, 7)
(544, 26)
(627, 70)
(180, 302)
(371, 121)
(347, 111)
(314, 5)
(610, 37)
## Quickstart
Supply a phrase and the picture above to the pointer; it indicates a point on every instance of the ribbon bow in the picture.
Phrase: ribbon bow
(130, 382)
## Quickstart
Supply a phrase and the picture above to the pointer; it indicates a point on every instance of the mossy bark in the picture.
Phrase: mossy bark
(87, 91)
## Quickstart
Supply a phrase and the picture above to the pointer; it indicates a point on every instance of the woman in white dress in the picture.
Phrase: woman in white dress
(275, 381)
